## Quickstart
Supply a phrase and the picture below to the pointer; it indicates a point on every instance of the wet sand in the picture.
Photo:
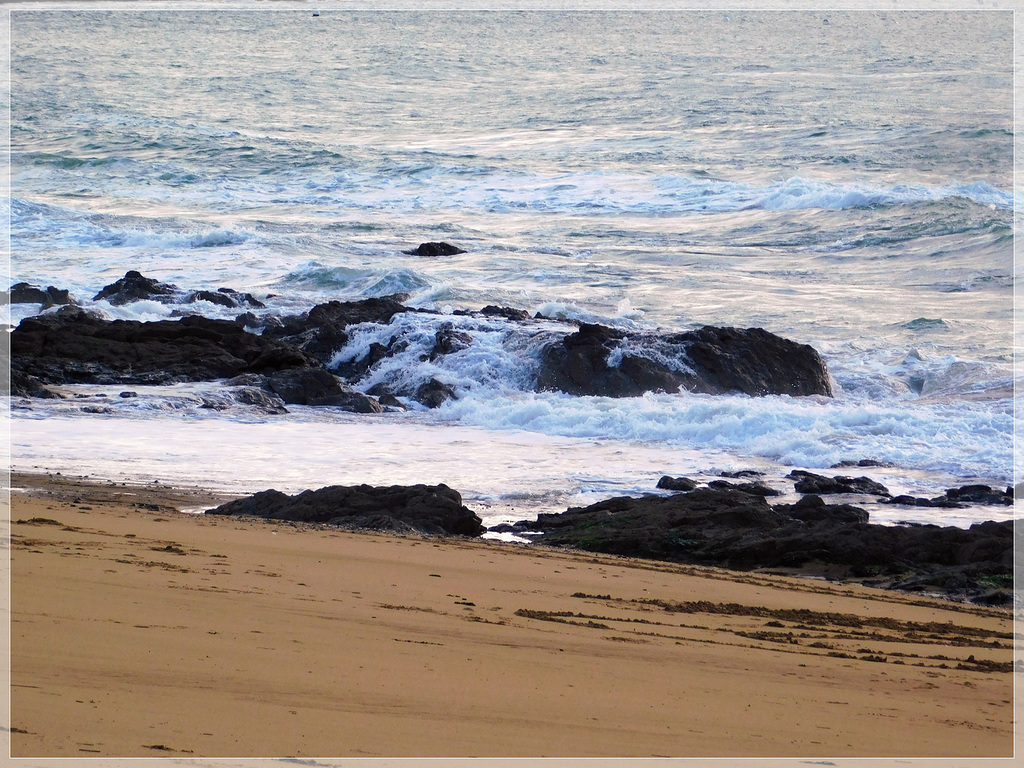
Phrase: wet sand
(137, 630)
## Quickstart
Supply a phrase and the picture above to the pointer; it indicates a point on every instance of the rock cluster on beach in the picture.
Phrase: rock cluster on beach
(435, 509)
(295, 354)
(268, 362)
(735, 527)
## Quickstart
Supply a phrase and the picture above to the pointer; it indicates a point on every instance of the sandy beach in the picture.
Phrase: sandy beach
(137, 630)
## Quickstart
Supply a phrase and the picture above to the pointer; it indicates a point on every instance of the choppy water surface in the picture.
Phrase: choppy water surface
(845, 184)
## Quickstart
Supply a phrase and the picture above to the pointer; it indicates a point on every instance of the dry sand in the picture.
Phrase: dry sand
(141, 631)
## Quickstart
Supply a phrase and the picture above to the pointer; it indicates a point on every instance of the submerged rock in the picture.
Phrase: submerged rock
(435, 509)
(434, 249)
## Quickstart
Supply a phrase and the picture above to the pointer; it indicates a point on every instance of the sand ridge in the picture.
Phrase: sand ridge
(140, 631)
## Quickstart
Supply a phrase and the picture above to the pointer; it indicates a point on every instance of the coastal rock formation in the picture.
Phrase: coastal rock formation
(959, 497)
(669, 483)
(321, 331)
(809, 482)
(78, 347)
(23, 385)
(135, 287)
(597, 360)
(434, 249)
(73, 346)
(730, 528)
(315, 386)
(756, 489)
(226, 297)
(24, 293)
(430, 509)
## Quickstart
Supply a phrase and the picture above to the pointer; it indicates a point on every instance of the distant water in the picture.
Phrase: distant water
(847, 185)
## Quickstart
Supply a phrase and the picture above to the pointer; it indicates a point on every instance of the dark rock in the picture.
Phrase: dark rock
(134, 287)
(24, 385)
(128, 393)
(757, 489)
(448, 340)
(434, 249)
(669, 483)
(433, 394)
(73, 346)
(315, 386)
(428, 509)
(214, 298)
(908, 501)
(243, 298)
(353, 370)
(389, 400)
(249, 320)
(226, 297)
(755, 362)
(710, 360)
(520, 526)
(813, 508)
(321, 331)
(733, 529)
(23, 293)
(808, 482)
(944, 502)
(742, 473)
(509, 313)
(263, 401)
(979, 494)
(578, 365)
(861, 463)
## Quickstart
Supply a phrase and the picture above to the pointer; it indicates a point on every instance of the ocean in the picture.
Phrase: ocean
(842, 179)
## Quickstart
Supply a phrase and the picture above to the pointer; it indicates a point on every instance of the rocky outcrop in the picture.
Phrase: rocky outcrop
(73, 346)
(430, 509)
(755, 362)
(135, 287)
(24, 293)
(593, 360)
(433, 393)
(226, 297)
(321, 331)
(434, 249)
(756, 489)
(597, 360)
(23, 385)
(730, 528)
(809, 482)
(315, 386)
(959, 497)
(669, 483)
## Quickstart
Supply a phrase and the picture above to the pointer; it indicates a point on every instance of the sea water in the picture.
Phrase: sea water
(843, 179)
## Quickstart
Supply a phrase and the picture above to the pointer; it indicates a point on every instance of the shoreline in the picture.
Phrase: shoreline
(196, 637)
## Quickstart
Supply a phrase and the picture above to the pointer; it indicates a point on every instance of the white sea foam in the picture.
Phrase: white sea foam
(957, 439)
